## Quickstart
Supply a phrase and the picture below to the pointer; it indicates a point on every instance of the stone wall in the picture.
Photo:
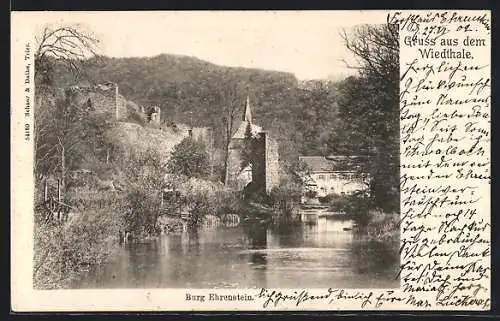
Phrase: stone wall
(122, 112)
(136, 138)
(234, 166)
(272, 178)
(265, 170)
(203, 135)
(259, 164)
(103, 98)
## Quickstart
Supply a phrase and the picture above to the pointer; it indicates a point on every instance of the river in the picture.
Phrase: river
(319, 253)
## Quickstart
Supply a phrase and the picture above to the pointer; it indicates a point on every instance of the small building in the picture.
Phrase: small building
(332, 175)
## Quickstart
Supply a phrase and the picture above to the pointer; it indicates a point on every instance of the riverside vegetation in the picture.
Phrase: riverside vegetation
(118, 189)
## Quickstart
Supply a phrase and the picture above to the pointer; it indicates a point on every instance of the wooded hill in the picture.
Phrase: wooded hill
(192, 91)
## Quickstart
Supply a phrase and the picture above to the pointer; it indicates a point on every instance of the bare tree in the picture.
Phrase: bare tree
(69, 45)
(376, 48)
(231, 101)
(230, 108)
(72, 47)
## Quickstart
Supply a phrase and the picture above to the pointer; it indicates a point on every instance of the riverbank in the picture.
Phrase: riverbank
(63, 253)
(377, 224)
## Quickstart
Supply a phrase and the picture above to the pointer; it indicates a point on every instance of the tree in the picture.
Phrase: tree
(71, 132)
(230, 98)
(248, 152)
(67, 45)
(369, 110)
(317, 116)
(189, 158)
(62, 127)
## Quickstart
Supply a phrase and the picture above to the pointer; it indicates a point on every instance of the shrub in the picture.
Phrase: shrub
(202, 197)
(63, 253)
(383, 227)
(357, 205)
(142, 211)
(189, 158)
(286, 196)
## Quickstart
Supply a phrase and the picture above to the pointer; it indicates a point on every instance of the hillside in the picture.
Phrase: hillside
(143, 138)
(192, 91)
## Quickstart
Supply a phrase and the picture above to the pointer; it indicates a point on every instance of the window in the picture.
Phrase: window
(348, 176)
(321, 177)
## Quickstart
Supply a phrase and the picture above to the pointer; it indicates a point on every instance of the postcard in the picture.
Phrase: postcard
(250, 160)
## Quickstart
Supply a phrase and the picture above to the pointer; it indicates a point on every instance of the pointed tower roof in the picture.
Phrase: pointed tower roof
(247, 120)
(248, 112)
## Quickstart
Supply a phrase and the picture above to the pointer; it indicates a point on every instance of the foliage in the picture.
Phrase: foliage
(189, 158)
(202, 197)
(383, 227)
(67, 45)
(368, 106)
(142, 212)
(357, 205)
(64, 253)
(248, 152)
(311, 194)
(146, 170)
(144, 173)
(299, 114)
(316, 117)
(336, 202)
(286, 197)
(67, 133)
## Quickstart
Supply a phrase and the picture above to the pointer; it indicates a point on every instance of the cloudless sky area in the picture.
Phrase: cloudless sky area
(306, 43)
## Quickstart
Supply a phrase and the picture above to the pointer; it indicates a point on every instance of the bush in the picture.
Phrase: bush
(63, 253)
(285, 199)
(202, 197)
(382, 226)
(189, 158)
(357, 205)
(337, 203)
(142, 211)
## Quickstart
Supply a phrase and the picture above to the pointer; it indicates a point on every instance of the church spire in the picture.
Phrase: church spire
(248, 113)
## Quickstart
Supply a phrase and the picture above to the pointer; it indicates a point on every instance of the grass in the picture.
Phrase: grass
(63, 253)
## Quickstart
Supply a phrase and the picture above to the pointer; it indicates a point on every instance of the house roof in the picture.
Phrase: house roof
(330, 163)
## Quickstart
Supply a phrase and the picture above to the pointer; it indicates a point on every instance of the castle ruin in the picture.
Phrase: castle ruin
(104, 98)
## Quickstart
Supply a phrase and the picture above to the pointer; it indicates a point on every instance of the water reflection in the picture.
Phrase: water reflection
(317, 253)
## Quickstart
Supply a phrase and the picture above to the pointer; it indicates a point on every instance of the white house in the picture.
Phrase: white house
(331, 175)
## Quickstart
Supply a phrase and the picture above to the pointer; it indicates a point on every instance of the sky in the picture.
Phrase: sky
(306, 43)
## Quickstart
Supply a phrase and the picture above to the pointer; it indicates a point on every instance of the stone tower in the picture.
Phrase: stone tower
(267, 158)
